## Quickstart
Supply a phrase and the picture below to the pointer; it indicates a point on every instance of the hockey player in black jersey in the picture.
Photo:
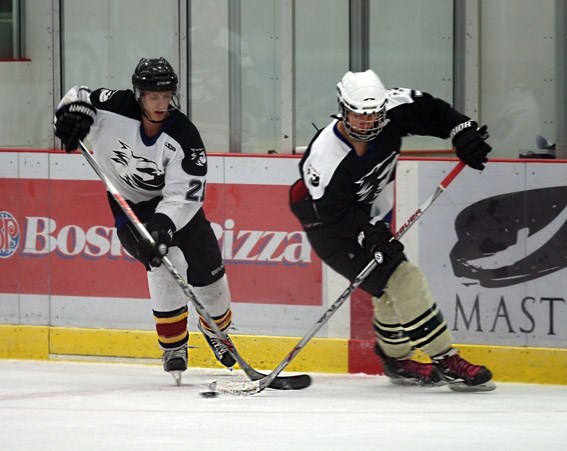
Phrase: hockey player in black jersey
(155, 157)
(343, 201)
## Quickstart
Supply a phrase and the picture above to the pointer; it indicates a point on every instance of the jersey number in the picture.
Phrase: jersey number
(196, 191)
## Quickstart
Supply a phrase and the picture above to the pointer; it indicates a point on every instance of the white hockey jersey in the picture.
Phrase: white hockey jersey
(163, 174)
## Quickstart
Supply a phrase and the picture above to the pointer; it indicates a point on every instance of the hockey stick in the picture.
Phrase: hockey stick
(250, 388)
(296, 382)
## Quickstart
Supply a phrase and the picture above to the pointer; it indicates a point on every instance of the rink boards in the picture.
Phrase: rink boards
(492, 248)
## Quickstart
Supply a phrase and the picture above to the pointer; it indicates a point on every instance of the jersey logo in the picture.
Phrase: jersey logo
(105, 95)
(400, 96)
(198, 156)
(138, 172)
(313, 176)
(372, 183)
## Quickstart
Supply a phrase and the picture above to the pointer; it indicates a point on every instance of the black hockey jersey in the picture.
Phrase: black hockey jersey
(347, 190)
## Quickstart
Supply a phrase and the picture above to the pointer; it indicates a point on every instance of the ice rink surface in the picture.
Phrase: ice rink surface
(53, 405)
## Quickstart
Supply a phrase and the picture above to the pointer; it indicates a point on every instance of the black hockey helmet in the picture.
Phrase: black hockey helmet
(154, 74)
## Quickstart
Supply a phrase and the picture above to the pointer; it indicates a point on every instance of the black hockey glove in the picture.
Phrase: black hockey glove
(161, 229)
(377, 238)
(73, 123)
(469, 142)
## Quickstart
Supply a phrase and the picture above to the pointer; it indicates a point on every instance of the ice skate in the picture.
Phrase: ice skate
(407, 371)
(219, 348)
(175, 362)
(461, 375)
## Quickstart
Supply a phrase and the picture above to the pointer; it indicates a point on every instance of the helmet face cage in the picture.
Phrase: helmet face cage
(368, 125)
(155, 75)
(362, 105)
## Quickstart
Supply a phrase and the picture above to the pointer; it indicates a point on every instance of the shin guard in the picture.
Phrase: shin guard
(389, 332)
(419, 315)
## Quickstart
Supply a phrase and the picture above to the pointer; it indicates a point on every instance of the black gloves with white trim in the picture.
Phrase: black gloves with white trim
(374, 238)
(73, 123)
(161, 229)
(470, 143)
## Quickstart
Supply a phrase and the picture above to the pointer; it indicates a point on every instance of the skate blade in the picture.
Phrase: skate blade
(177, 376)
(462, 387)
(406, 382)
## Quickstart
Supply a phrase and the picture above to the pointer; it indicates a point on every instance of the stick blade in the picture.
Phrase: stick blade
(298, 382)
(236, 388)
(248, 388)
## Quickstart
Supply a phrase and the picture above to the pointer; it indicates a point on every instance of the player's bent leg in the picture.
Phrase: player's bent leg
(219, 348)
(172, 333)
(387, 328)
(423, 323)
(216, 299)
(395, 350)
(419, 316)
(169, 306)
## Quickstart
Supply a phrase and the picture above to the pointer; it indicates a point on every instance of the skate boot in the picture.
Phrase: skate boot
(462, 375)
(407, 371)
(218, 347)
(175, 362)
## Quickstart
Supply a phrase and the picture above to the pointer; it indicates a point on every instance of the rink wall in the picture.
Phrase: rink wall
(493, 248)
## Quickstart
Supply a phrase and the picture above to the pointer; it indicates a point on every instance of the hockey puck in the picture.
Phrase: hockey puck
(209, 394)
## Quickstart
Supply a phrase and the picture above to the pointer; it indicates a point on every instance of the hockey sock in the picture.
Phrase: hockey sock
(215, 297)
(389, 332)
(419, 315)
(223, 322)
(171, 328)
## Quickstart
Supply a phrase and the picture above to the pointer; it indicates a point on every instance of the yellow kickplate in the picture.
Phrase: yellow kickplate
(24, 342)
(324, 355)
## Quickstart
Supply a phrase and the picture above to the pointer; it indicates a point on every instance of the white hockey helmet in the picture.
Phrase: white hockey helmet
(363, 94)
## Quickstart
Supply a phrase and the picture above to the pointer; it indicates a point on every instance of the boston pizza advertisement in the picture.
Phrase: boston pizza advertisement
(58, 246)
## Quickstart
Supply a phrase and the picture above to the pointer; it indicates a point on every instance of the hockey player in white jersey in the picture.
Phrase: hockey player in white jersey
(344, 200)
(154, 155)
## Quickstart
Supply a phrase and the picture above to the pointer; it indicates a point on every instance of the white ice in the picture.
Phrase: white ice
(54, 405)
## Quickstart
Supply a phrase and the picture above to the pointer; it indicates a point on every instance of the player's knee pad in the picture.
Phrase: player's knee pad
(407, 282)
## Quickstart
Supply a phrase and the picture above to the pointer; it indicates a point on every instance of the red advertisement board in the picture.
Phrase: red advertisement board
(56, 237)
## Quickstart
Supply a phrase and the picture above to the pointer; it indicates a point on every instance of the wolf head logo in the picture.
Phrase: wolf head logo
(136, 171)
